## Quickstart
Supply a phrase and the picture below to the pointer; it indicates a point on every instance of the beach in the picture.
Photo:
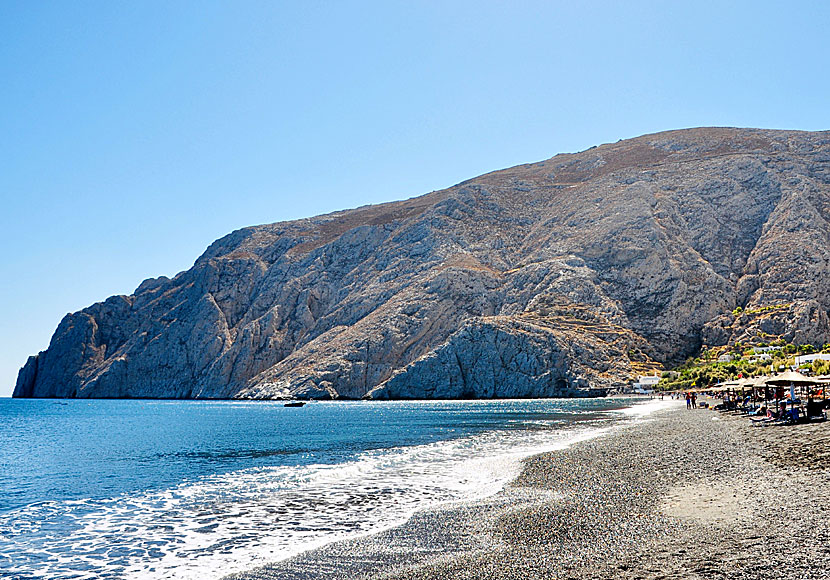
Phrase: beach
(684, 494)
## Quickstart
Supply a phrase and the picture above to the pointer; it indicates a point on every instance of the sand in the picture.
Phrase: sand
(685, 494)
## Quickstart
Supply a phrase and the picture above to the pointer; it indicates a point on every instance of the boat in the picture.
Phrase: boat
(295, 404)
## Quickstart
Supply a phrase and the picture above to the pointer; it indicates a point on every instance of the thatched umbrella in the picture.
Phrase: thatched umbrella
(790, 378)
(760, 383)
(793, 379)
(727, 386)
(743, 383)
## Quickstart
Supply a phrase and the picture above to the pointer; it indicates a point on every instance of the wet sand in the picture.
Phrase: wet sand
(686, 494)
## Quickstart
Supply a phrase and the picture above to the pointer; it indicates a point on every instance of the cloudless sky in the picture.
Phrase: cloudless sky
(133, 134)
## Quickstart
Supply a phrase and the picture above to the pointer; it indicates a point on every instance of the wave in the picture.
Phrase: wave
(217, 525)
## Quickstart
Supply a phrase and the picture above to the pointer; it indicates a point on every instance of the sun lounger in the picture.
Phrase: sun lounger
(769, 419)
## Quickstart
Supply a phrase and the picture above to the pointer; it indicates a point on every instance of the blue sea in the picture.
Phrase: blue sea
(93, 489)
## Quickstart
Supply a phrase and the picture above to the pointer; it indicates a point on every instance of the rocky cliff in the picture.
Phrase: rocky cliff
(560, 278)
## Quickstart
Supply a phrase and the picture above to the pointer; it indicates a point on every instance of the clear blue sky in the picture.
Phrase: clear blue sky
(132, 134)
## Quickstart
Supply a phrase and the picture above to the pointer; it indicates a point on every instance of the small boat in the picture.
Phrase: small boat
(295, 404)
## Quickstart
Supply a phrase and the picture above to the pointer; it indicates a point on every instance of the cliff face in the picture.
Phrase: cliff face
(563, 277)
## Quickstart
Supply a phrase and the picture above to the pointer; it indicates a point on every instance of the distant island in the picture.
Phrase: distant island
(566, 277)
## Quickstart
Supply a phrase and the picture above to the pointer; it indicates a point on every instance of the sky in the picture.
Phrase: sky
(133, 134)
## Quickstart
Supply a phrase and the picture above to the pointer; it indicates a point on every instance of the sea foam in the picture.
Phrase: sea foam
(223, 523)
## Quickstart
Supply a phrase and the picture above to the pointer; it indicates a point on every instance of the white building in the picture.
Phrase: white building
(760, 349)
(646, 384)
(725, 358)
(808, 358)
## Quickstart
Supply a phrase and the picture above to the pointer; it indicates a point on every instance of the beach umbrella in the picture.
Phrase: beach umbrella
(744, 383)
(760, 383)
(731, 386)
(791, 378)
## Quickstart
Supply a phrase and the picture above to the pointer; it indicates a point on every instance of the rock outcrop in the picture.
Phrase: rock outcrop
(560, 278)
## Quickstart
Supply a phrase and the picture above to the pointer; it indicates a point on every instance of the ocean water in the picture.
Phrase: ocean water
(200, 489)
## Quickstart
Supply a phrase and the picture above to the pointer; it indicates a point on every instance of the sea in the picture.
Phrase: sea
(150, 489)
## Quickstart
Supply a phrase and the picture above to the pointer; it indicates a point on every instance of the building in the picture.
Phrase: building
(808, 358)
(725, 358)
(646, 384)
(760, 349)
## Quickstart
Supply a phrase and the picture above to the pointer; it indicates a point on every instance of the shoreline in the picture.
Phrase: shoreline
(408, 542)
(683, 494)
(246, 513)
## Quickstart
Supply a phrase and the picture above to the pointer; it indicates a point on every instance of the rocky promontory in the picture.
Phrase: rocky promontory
(565, 277)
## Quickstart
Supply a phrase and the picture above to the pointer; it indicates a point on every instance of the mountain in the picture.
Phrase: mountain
(565, 277)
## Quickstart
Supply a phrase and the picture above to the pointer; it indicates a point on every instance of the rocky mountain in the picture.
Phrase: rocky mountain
(565, 277)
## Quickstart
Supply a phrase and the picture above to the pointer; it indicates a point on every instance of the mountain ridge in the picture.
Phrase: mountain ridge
(563, 277)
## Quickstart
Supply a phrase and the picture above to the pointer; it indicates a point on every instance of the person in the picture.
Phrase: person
(688, 401)
(694, 401)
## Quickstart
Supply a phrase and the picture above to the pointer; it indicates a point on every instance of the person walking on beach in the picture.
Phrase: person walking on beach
(694, 401)
(688, 401)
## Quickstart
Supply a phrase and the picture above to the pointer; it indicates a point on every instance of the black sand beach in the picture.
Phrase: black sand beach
(686, 494)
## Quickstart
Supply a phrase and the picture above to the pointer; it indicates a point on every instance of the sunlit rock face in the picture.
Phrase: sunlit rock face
(565, 277)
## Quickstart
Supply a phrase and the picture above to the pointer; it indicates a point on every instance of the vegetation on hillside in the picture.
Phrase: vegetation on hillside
(705, 369)
(761, 309)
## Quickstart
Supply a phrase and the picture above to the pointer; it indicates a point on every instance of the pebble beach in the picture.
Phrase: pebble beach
(684, 494)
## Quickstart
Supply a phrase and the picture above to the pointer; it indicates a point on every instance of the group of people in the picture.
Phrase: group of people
(786, 411)
(691, 400)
